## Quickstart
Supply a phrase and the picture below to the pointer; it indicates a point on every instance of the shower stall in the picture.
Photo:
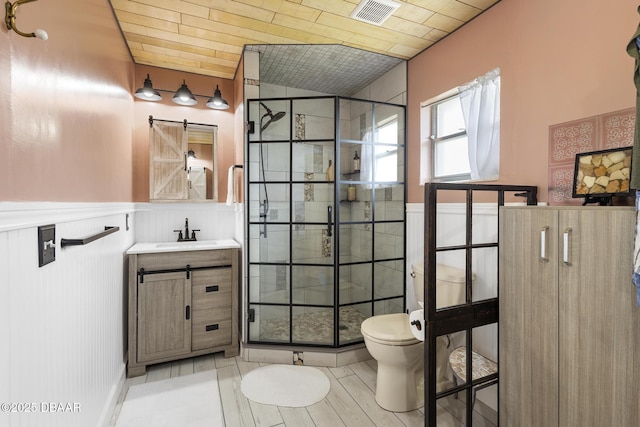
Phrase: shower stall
(325, 218)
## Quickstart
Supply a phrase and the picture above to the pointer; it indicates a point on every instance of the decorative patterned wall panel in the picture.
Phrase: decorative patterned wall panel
(618, 128)
(600, 132)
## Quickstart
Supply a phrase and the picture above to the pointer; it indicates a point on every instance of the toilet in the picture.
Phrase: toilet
(400, 355)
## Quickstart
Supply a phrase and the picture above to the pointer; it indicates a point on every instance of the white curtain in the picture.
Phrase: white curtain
(480, 101)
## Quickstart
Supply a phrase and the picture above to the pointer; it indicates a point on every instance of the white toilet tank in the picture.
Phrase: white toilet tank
(450, 284)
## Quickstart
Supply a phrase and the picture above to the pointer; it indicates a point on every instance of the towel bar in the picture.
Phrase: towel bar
(78, 242)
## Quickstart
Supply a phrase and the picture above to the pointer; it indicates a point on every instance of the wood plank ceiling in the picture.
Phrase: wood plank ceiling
(208, 36)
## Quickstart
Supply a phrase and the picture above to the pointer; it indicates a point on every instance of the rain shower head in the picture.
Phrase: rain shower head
(272, 117)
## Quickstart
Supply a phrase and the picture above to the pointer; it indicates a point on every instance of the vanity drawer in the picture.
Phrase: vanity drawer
(167, 260)
(211, 289)
(212, 333)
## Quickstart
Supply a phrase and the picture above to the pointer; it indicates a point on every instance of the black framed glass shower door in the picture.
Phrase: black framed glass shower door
(291, 221)
(325, 218)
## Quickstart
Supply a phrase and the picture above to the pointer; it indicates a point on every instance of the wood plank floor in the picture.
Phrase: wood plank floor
(350, 402)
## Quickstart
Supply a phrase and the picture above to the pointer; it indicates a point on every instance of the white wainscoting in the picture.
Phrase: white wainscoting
(155, 222)
(62, 325)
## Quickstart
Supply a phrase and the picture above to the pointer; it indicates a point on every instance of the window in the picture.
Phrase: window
(387, 155)
(460, 133)
(449, 141)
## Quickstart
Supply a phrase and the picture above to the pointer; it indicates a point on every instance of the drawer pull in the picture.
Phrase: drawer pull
(211, 327)
(212, 288)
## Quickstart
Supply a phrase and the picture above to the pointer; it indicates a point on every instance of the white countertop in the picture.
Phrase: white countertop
(198, 245)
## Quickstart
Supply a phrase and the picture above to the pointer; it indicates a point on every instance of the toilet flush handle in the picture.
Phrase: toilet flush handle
(417, 324)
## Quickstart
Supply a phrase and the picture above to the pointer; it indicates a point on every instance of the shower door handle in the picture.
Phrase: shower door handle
(329, 211)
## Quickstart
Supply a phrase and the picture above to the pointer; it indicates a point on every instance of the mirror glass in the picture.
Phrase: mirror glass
(202, 183)
(183, 162)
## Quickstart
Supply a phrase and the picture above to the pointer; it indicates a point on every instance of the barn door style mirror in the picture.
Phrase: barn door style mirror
(182, 161)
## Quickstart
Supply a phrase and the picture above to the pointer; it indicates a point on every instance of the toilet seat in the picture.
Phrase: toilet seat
(389, 329)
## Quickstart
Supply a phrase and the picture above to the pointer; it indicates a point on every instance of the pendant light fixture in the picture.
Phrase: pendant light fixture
(184, 96)
(147, 92)
(216, 101)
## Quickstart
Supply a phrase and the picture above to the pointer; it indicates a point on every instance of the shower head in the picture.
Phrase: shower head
(272, 117)
(278, 116)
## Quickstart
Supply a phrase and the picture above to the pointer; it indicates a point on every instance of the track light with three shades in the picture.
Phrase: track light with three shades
(183, 96)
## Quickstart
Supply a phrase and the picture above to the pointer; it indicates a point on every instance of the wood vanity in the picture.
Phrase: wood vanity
(183, 301)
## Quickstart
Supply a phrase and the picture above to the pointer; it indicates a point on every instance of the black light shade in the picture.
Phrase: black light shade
(216, 101)
(184, 96)
(147, 92)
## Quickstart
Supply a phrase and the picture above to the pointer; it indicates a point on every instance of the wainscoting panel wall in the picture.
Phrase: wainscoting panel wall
(62, 325)
(155, 222)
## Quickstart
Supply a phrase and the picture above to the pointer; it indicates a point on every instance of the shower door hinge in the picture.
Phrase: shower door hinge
(252, 315)
(251, 127)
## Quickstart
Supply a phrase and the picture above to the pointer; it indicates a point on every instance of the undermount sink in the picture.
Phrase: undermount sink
(190, 244)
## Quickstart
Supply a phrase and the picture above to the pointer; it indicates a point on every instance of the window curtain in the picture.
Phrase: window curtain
(480, 101)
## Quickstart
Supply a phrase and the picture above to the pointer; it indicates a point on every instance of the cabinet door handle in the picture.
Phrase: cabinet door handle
(566, 248)
(543, 243)
(188, 312)
(212, 288)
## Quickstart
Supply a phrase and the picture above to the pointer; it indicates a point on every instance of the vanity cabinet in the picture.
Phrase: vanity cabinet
(569, 326)
(181, 304)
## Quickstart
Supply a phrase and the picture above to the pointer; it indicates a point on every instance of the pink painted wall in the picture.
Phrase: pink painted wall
(66, 113)
(560, 61)
(171, 80)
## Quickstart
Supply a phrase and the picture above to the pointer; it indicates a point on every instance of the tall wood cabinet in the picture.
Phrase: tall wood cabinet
(181, 304)
(569, 326)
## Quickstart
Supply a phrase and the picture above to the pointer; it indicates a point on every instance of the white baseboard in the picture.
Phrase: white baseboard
(112, 401)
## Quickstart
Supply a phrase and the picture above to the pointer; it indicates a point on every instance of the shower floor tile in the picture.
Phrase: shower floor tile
(314, 327)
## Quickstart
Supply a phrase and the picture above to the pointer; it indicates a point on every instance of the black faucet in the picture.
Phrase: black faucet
(186, 237)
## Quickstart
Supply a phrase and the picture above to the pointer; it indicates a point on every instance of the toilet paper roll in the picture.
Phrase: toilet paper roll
(416, 320)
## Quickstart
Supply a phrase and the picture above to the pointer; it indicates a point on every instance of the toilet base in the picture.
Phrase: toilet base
(397, 388)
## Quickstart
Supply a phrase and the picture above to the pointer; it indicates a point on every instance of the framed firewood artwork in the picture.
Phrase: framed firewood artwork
(600, 175)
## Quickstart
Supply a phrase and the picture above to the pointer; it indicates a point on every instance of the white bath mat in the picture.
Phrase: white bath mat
(293, 386)
(191, 400)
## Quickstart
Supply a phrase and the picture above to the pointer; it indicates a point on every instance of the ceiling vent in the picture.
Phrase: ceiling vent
(374, 11)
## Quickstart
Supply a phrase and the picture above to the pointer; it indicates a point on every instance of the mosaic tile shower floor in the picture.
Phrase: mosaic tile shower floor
(314, 327)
